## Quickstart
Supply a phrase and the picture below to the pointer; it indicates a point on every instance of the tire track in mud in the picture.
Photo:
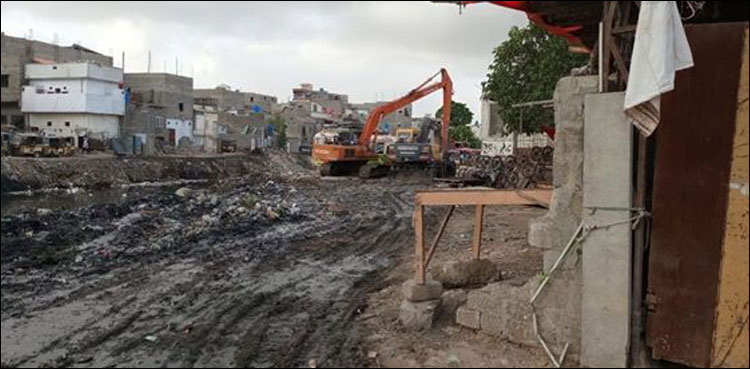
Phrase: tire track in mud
(294, 300)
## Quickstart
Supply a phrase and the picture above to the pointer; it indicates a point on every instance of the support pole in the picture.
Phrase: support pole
(477, 243)
(419, 243)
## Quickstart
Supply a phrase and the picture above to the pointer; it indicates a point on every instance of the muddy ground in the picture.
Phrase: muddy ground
(274, 269)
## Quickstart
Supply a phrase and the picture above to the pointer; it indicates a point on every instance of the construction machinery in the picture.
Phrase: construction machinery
(345, 150)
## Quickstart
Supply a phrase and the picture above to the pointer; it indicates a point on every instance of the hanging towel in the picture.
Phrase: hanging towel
(660, 49)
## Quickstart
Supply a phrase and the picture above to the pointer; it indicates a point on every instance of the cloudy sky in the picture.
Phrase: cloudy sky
(368, 50)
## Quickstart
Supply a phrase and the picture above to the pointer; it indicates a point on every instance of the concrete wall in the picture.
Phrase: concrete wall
(97, 126)
(491, 123)
(171, 93)
(17, 52)
(502, 309)
(605, 304)
(227, 99)
(553, 229)
(73, 71)
(183, 128)
(73, 95)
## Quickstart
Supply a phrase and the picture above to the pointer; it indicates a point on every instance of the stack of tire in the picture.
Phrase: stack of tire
(524, 170)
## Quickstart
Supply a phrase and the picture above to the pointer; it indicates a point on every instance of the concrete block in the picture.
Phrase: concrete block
(468, 318)
(457, 274)
(419, 316)
(557, 226)
(451, 300)
(491, 297)
(605, 300)
(572, 261)
(414, 292)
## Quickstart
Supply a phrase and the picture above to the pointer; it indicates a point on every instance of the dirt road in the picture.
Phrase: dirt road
(255, 272)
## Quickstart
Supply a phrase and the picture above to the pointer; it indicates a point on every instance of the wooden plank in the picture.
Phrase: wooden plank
(438, 235)
(483, 197)
(476, 245)
(419, 243)
(618, 60)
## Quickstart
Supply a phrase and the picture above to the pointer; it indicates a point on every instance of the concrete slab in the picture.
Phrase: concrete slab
(415, 292)
(468, 317)
(419, 316)
(605, 313)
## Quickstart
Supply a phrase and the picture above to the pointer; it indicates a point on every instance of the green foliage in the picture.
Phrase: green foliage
(464, 134)
(279, 126)
(525, 68)
(460, 127)
(460, 114)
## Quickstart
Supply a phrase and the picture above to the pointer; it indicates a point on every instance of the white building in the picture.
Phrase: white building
(179, 129)
(490, 122)
(74, 99)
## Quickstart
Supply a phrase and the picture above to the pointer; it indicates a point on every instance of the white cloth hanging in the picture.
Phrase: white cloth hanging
(660, 49)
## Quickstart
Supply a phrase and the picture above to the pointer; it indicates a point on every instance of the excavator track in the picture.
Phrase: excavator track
(368, 171)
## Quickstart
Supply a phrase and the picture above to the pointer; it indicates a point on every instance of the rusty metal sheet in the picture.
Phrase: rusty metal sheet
(693, 155)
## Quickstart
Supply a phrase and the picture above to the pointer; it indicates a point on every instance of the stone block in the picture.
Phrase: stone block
(451, 300)
(468, 318)
(414, 292)
(419, 316)
(457, 274)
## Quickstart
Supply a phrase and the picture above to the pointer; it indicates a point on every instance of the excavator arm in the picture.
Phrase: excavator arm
(426, 88)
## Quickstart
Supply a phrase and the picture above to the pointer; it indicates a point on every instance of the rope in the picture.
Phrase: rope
(582, 231)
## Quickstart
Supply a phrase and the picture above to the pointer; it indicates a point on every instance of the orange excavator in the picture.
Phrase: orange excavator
(338, 154)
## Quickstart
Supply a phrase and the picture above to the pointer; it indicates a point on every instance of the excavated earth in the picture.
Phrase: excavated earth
(267, 269)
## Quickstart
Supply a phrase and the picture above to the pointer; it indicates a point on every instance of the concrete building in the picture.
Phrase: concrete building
(73, 100)
(333, 103)
(491, 124)
(401, 118)
(225, 99)
(16, 53)
(303, 120)
(161, 96)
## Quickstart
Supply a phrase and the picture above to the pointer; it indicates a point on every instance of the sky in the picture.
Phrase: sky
(369, 50)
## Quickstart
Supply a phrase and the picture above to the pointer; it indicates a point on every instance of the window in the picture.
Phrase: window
(49, 123)
(4, 80)
(252, 99)
(54, 67)
(57, 90)
(181, 106)
(67, 124)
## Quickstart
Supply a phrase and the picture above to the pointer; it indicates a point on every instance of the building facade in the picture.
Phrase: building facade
(226, 99)
(16, 53)
(73, 100)
(156, 99)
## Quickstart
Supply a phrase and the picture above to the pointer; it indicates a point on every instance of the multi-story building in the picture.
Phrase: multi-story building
(73, 100)
(402, 118)
(332, 103)
(16, 53)
(225, 99)
(165, 96)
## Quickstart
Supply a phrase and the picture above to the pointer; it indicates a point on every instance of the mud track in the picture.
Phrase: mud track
(207, 280)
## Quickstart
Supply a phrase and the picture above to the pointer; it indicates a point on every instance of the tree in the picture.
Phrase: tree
(460, 124)
(279, 125)
(525, 68)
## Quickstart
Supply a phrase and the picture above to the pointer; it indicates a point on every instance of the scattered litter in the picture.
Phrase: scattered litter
(312, 363)
(372, 355)
(150, 338)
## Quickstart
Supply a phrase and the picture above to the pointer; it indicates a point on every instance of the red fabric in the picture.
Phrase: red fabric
(538, 19)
